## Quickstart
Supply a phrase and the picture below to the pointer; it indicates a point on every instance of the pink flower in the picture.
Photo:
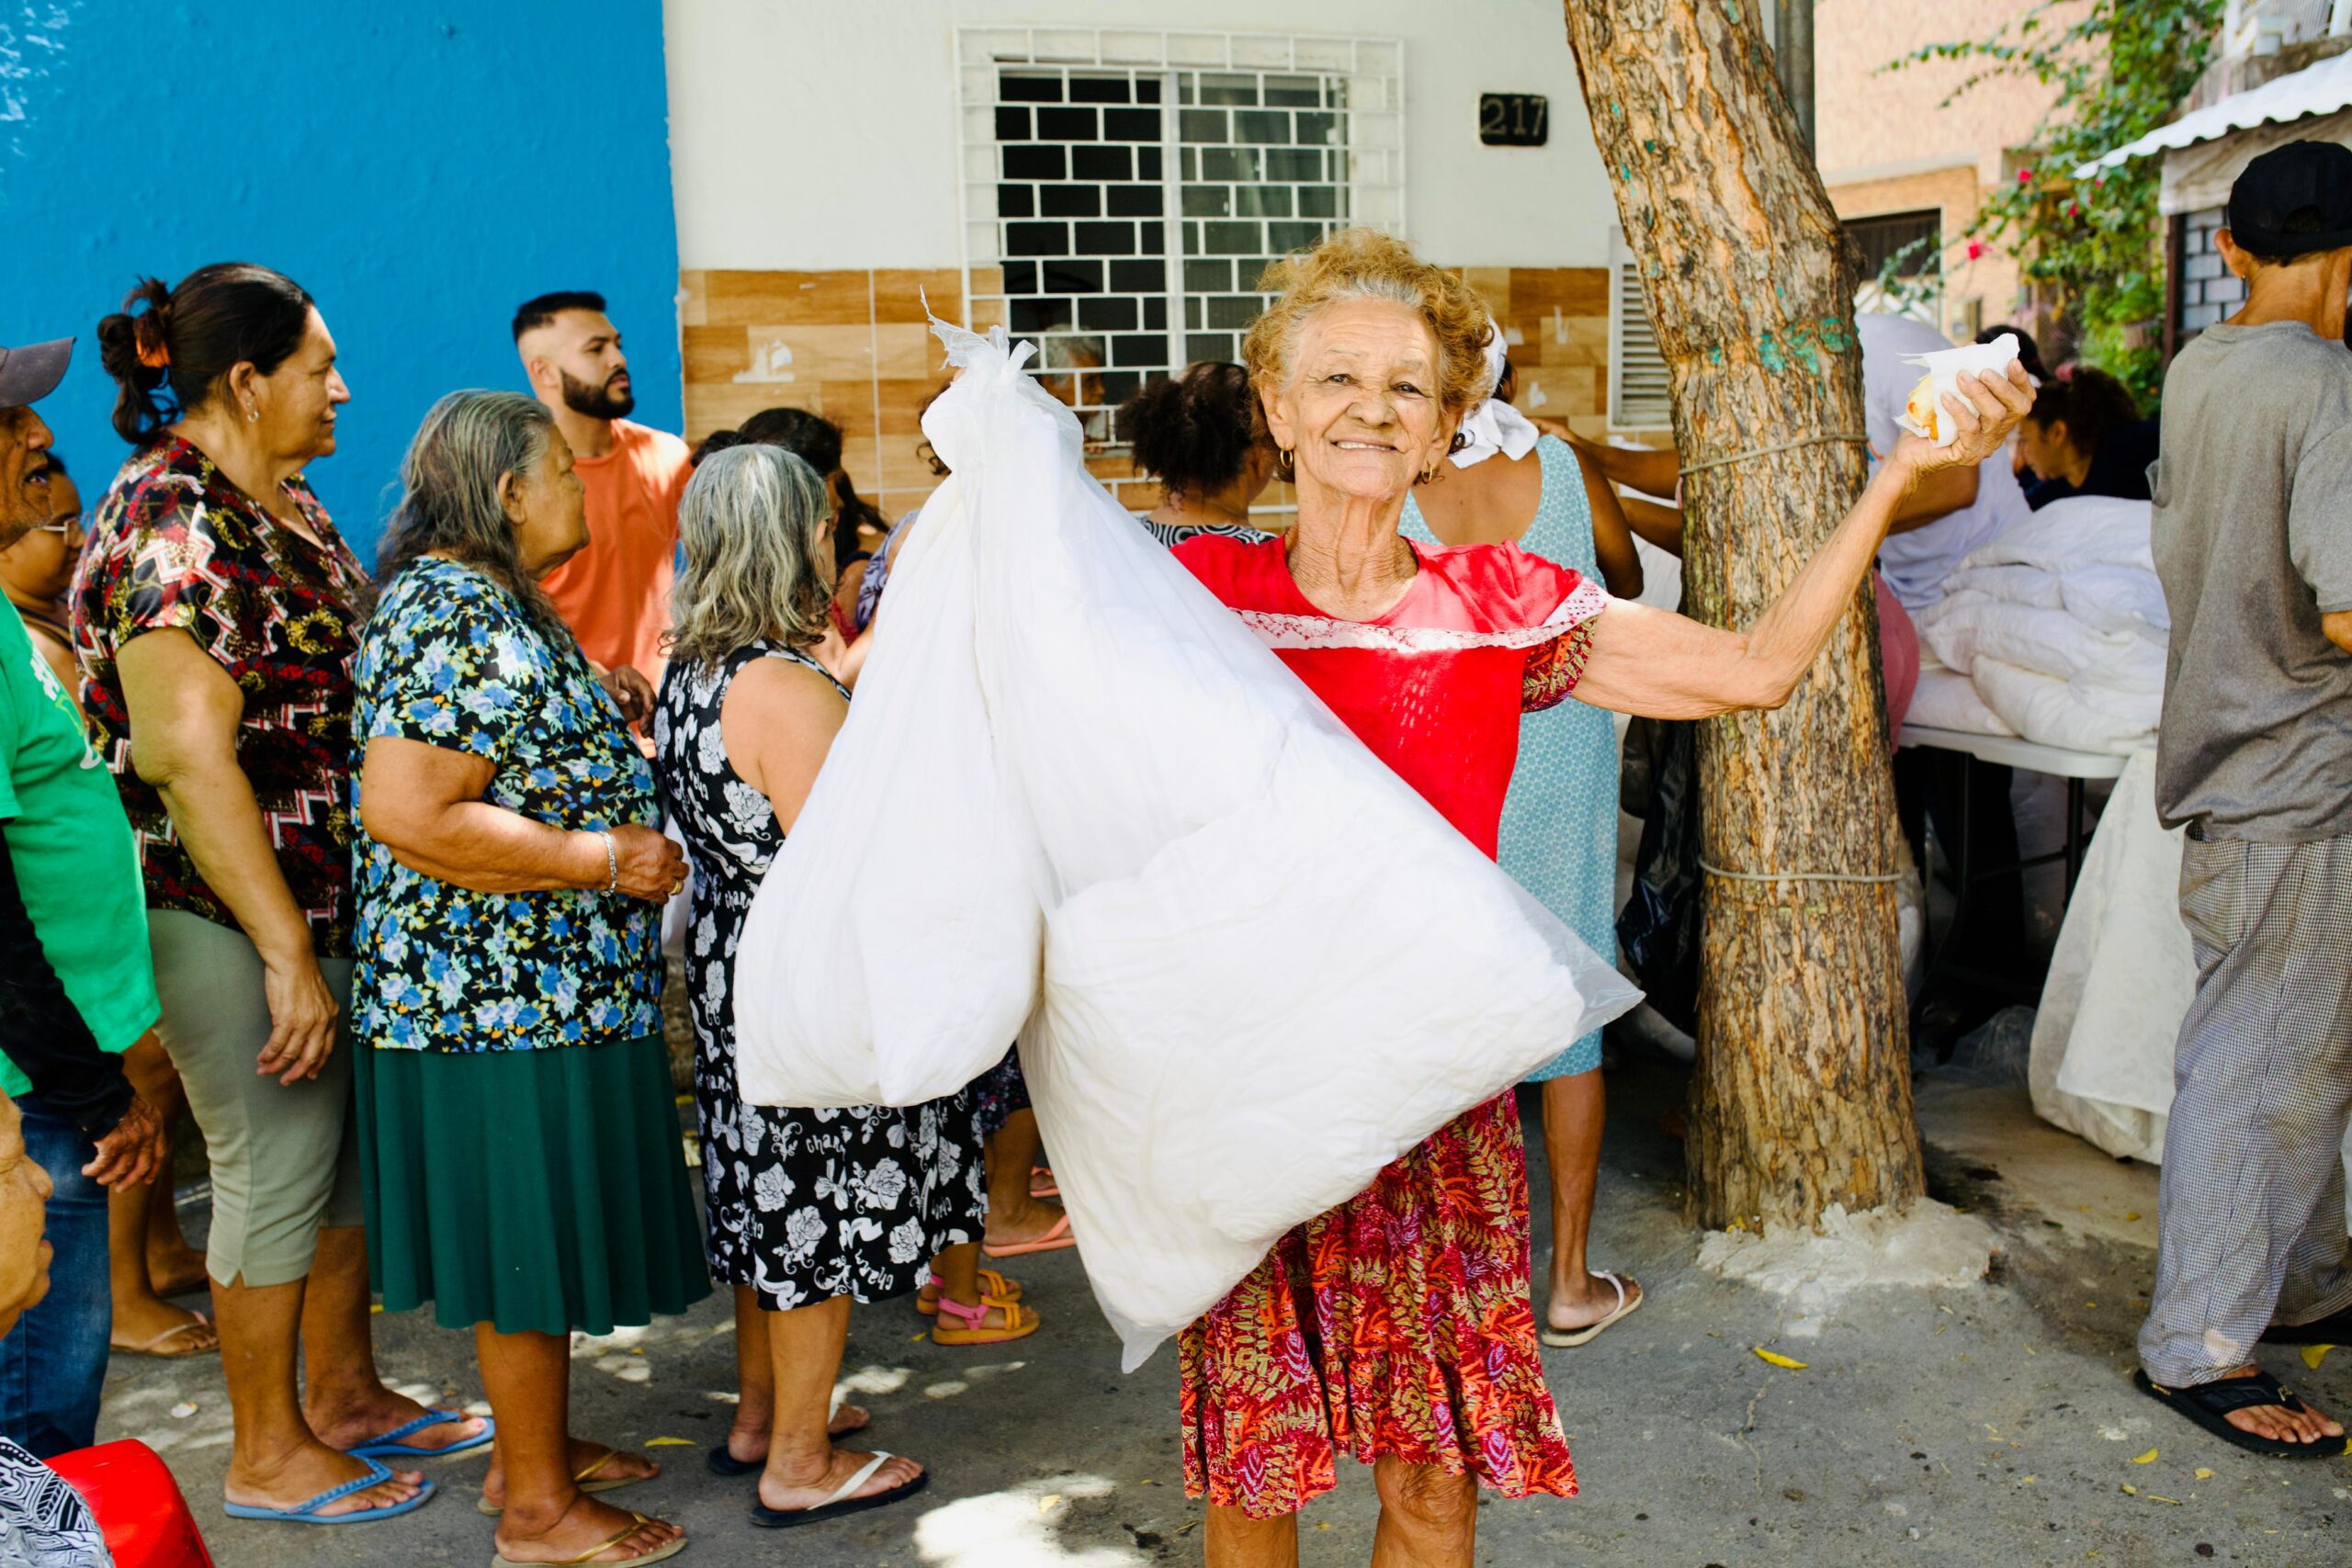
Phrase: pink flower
(2025, 176)
(2073, 210)
(1975, 249)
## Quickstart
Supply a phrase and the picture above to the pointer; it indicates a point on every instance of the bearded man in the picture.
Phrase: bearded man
(615, 594)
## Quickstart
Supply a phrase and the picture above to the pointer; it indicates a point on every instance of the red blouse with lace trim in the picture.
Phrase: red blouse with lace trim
(1438, 706)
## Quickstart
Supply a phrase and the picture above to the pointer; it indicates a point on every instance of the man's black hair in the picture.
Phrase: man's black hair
(538, 313)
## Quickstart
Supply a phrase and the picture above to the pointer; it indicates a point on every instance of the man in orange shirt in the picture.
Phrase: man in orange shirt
(615, 594)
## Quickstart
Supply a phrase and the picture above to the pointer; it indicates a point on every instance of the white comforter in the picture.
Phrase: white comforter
(2059, 626)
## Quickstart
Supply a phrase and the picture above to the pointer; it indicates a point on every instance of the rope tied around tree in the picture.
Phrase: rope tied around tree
(1841, 435)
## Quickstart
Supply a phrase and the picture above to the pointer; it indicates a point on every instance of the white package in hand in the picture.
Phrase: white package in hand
(1925, 415)
(1270, 967)
(891, 951)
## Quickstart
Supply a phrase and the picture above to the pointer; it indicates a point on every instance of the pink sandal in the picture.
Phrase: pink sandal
(1020, 1323)
(995, 1291)
(1042, 1183)
(1053, 1240)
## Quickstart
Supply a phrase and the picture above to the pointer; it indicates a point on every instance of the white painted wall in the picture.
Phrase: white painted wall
(807, 135)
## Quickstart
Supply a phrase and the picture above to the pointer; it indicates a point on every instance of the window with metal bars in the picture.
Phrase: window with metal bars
(1133, 188)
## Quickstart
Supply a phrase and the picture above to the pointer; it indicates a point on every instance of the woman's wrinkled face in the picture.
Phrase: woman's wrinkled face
(294, 406)
(1361, 409)
(39, 567)
(24, 1206)
(548, 509)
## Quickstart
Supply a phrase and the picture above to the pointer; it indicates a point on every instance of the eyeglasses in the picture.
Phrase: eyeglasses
(68, 527)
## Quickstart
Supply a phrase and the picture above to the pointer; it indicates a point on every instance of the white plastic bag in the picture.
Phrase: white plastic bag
(890, 954)
(1924, 414)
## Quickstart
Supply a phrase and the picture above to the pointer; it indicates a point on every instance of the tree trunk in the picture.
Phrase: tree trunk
(1802, 1096)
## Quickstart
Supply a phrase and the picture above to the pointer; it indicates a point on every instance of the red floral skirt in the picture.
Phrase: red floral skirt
(1395, 1325)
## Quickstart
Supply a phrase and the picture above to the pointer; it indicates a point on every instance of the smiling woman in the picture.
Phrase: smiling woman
(1398, 1327)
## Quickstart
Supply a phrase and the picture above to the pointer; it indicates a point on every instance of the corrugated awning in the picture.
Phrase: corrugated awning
(2316, 89)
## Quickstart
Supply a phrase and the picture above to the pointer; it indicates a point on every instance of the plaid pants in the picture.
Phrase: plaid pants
(2252, 1207)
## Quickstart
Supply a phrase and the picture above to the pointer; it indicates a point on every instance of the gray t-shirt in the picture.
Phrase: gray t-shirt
(2253, 538)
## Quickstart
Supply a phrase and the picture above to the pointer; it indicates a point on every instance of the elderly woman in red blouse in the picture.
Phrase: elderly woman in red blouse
(1396, 1327)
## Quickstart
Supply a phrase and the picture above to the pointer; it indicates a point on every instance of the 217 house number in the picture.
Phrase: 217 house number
(1513, 120)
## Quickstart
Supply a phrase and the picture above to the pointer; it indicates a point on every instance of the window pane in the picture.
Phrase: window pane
(1018, 89)
(1218, 88)
(1100, 90)
(1263, 126)
(1131, 125)
(1208, 277)
(1201, 125)
(1096, 163)
(1132, 201)
(1211, 345)
(1012, 123)
(1140, 277)
(1240, 164)
(1073, 276)
(1066, 124)
(1016, 201)
(1036, 239)
(1111, 314)
(1262, 201)
(1235, 311)
(1217, 240)
(1034, 162)
(1105, 239)
(1208, 201)
(1071, 201)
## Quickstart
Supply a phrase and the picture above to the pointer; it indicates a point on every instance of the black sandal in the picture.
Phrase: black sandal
(2209, 1404)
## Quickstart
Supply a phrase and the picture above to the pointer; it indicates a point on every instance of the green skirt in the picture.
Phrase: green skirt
(534, 1191)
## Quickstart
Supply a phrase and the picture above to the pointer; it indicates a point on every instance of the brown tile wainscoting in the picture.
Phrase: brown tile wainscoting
(852, 345)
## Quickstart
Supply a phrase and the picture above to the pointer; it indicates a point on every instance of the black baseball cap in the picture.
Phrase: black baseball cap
(2294, 199)
(30, 374)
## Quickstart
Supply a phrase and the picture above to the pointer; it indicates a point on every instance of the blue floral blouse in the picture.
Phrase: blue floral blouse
(450, 659)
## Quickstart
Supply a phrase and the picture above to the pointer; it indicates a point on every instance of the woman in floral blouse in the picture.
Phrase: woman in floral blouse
(214, 614)
(517, 1139)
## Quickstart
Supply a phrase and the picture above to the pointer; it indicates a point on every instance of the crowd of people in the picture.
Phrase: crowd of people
(368, 869)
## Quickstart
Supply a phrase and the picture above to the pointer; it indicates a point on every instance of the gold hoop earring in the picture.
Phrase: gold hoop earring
(1286, 465)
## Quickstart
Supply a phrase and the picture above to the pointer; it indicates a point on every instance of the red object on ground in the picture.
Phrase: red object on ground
(137, 1503)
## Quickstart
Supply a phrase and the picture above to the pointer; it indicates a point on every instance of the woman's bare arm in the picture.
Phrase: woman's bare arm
(184, 710)
(778, 723)
(1645, 660)
(424, 804)
(1612, 536)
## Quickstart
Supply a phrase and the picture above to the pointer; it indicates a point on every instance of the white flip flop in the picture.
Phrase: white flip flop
(1567, 1338)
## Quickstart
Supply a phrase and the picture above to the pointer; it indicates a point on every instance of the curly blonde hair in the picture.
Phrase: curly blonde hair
(1365, 263)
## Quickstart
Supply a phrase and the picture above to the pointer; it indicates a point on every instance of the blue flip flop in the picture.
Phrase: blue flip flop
(390, 1446)
(308, 1513)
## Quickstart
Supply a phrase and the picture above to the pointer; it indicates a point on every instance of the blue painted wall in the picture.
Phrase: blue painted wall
(421, 166)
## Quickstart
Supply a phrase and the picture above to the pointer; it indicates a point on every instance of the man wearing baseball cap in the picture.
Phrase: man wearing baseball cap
(2253, 537)
(76, 986)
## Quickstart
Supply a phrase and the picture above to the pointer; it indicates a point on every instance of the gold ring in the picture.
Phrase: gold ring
(677, 887)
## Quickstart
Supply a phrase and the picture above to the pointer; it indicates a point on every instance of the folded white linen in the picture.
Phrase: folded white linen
(1946, 699)
(2082, 530)
(1963, 628)
(2075, 716)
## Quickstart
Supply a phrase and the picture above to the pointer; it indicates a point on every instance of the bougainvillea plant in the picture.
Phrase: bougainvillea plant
(2094, 247)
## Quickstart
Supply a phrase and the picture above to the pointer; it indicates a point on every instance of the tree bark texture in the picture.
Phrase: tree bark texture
(1802, 1096)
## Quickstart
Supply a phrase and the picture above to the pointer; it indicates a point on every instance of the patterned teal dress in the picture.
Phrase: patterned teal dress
(1559, 833)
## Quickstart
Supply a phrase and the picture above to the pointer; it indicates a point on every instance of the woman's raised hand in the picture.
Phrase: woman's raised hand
(1985, 408)
(652, 866)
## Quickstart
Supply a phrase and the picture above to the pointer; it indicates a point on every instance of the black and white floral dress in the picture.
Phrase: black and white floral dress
(804, 1205)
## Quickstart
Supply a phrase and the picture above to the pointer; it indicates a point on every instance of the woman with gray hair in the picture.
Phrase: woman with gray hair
(518, 1147)
(809, 1211)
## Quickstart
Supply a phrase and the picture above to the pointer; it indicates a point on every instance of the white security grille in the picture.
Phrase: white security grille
(1641, 392)
(1133, 186)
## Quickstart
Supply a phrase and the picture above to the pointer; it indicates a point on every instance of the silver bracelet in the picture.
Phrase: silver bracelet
(612, 864)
